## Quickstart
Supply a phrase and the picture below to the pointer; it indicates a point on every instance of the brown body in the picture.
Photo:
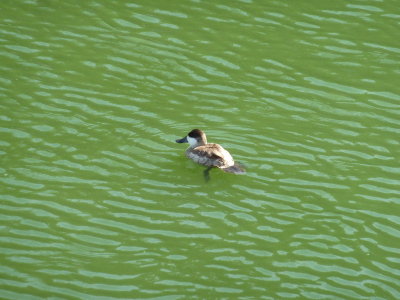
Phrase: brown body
(210, 155)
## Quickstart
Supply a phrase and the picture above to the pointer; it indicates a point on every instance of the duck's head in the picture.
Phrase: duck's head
(195, 138)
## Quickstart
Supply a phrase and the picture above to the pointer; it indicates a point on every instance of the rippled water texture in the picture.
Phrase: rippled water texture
(99, 202)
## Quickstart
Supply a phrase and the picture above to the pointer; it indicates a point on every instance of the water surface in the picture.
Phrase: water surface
(97, 201)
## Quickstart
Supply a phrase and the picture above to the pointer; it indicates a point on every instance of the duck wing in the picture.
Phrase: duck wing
(213, 155)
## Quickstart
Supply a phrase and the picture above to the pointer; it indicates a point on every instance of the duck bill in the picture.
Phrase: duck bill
(183, 140)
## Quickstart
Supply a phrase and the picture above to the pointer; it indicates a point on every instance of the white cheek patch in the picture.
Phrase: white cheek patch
(192, 141)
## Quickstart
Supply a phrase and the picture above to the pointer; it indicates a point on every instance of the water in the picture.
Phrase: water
(97, 201)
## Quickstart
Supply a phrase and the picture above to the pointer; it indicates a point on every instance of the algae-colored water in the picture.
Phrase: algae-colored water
(98, 202)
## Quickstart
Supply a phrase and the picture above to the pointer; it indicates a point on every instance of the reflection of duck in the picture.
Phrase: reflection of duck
(210, 155)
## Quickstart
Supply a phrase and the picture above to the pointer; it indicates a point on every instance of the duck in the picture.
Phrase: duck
(209, 154)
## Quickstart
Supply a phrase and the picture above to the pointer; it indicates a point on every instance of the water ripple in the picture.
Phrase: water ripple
(93, 99)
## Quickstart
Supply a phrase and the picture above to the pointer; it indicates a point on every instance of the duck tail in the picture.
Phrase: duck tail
(235, 169)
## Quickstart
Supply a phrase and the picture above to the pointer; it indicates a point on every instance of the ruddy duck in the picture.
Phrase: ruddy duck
(209, 155)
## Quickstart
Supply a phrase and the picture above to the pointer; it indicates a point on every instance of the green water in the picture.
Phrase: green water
(99, 202)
